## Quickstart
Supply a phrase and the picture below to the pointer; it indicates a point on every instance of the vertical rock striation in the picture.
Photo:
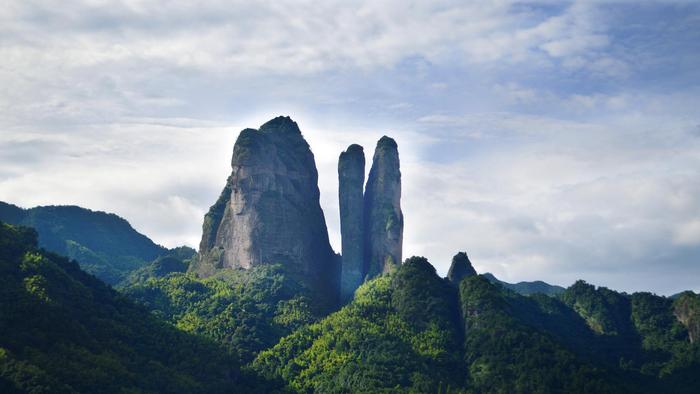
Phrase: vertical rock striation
(382, 210)
(351, 179)
(269, 211)
(460, 268)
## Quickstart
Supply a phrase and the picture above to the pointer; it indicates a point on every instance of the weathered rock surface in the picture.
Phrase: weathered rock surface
(382, 211)
(687, 311)
(269, 210)
(351, 179)
(460, 268)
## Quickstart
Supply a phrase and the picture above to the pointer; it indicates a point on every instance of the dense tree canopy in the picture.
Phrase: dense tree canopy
(410, 331)
(262, 330)
(62, 330)
(244, 310)
(398, 335)
(104, 244)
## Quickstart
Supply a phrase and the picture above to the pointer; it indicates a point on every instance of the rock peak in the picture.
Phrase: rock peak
(382, 209)
(461, 268)
(280, 124)
(351, 178)
(354, 148)
(269, 211)
(387, 142)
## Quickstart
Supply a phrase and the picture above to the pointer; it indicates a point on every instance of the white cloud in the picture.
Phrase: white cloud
(162, 178)
(550, 140)
(688, 233)
(569, 200)
(96, 60)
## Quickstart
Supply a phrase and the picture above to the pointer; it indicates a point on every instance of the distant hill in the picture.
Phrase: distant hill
(104, 244)
(158, 268)
(63, 331)
(527, 288)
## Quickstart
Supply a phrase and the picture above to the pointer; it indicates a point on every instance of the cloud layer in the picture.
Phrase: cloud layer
(549, 140)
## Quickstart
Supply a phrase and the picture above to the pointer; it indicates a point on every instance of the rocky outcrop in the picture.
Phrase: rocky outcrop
(686, 308)
(382, 210)
(269, 210)
(460, 268)
(351, 179)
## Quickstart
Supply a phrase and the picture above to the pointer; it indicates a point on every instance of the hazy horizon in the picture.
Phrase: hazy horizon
(551, 141)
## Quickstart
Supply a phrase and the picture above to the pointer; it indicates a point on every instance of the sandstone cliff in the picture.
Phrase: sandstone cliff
(351, 179)
(382, 210)
(269, 210)
(687, 311)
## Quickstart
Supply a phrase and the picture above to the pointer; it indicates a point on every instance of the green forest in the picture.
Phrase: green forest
(262, 330)
(64, 331)
(104, 244)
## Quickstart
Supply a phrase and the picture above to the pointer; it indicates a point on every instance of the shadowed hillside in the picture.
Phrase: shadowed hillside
(104, 244)
(63, 331)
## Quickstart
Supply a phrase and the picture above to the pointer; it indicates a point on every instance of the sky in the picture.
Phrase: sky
(549, 140)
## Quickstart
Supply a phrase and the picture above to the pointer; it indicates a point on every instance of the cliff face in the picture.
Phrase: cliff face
(351, 178)
(687, 311)
(269, 210)
(461, 268)
(382, 210)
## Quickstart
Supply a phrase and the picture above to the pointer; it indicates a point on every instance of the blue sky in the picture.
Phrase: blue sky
(549, 140)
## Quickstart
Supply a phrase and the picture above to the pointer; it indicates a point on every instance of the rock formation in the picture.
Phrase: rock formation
(686, 308)
(269, 211)
(460, 268)
(351, 179)
(382, 210)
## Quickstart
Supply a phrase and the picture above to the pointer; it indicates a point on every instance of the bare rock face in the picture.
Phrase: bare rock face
(382, 211)
(269, 210)
(461, 268)
(686, 308)
(351, 178)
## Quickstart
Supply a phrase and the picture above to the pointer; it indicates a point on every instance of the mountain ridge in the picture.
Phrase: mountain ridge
(269, 210)
(64, 331)
(527, 287)
(105, 244)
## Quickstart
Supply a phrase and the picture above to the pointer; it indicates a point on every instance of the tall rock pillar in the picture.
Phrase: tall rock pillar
(382, 210)
(351, 178)
(269, 210)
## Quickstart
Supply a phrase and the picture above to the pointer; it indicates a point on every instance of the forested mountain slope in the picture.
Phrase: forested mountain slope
(412, 331)
(104, 244)
(63, 330)
(245, 311)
